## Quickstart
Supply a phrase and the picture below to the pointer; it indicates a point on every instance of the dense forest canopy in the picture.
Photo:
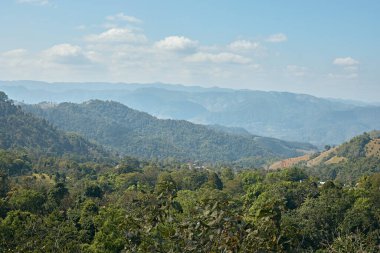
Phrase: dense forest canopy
(55, 204)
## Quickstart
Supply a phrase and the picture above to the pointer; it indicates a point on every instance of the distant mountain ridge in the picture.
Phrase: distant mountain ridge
(283, 115)
(139, 134)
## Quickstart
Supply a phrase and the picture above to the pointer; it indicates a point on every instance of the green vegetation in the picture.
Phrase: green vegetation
(348, 171)
(136, 206)
(20, 130)
(355, 148)
(357, 161)
(138, 134)
(345, 163)
(61, 195)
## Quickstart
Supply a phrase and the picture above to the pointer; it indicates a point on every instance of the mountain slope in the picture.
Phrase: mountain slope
(346, 162)
(140, 134)
(281, 115)
(20, 130)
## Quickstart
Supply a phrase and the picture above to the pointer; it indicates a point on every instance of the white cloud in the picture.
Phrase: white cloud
(218, 58)
(276, 38)
(119, 35)
(243, 45)
(345, 61)
(14, 53)
(351, 68)
(348, 68)
(14, 59)
(297, 71)
(343, 76)
(36, 2)
(176, 43)
(123, 17)
(66, 54)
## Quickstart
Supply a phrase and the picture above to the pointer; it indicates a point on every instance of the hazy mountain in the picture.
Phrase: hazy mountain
(20, 130)
(140, 134)
(282, 115)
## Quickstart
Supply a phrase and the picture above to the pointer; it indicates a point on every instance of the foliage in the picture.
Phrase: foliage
(135, 133)
(62, 203)
(20, 130)
(355, 148)
(160, 207)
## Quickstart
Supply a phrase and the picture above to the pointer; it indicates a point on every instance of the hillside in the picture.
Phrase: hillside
(139, 134)
(136, 206)
(282, 115)
(347, 162)
(20, 130)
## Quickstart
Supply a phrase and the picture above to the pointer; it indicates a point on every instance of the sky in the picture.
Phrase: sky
(327, 48)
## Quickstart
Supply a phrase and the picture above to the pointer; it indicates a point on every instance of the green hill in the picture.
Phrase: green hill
(20, 130)
(346, 162)
(139, 134)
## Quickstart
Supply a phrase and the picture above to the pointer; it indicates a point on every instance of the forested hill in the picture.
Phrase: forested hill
(346, 162)
(20, 130)
(140, 134)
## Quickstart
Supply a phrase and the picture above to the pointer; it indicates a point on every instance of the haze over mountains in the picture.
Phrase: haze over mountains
(139, 134)
(283, 115)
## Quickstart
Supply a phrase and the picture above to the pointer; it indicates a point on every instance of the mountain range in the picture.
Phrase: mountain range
(283, 115)
(135, 133)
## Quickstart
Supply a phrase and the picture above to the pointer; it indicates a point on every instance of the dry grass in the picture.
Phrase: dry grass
(43, 178)
(335, 160)
(321, 158)
(373, 148)
(288, 162)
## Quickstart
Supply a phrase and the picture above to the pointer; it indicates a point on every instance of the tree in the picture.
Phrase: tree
(3, 97)
(28, 200)
(4, 184)
(214, 181)
(57, 194)
(93, 191)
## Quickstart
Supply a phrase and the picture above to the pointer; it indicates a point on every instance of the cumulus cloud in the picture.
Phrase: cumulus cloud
(35, 2)
(176, 43)
(122, 17)
(218, 58)
(118, 35)
(345, 61)
(243, 45)
(66, 54)
(14, 59)
(348, 68)
(276, 38)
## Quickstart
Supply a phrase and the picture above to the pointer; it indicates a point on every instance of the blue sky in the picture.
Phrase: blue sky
(327, 48)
